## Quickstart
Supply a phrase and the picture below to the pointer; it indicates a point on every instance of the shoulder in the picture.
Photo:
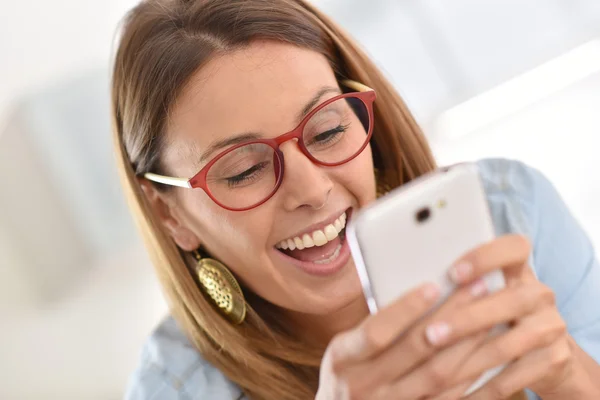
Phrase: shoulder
(501, 176)
(519, 196)
(522, 200)
(171, 368)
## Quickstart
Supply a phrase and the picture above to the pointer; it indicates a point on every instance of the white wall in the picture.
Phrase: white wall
(85, 345)
(41, 41)
(437, 52)
(558, 135)
(440, 53)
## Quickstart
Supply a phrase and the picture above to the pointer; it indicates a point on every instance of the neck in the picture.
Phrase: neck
(320, 329)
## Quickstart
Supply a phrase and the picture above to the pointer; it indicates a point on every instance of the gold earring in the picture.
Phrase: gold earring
(382, 187)
(222, 287)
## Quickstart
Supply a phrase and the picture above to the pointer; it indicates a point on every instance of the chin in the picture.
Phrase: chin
(338, 294)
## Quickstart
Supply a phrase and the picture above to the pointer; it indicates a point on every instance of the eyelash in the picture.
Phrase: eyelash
(337, 129)
(245, 176)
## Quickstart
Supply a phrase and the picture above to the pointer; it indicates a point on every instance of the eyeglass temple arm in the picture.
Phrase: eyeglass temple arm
(359, 87)
(168, 180)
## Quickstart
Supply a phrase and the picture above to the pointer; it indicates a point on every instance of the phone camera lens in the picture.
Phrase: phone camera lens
(423, 215)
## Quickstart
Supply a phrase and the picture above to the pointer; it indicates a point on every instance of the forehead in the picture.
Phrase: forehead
(260, 89)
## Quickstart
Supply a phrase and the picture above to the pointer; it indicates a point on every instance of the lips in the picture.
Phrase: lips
(322, 259)
(315, 237)
(317, 254)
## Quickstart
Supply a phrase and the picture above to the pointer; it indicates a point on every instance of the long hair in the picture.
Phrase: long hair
(162, 44)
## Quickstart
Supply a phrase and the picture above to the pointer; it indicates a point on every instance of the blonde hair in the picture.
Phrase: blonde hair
(163, 42)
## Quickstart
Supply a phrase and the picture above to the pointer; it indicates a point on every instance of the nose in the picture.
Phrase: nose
(304, 183)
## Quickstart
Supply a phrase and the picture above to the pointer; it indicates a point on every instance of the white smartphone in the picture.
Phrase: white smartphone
(415, 233)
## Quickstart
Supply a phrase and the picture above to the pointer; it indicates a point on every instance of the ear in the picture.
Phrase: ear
(163, 206)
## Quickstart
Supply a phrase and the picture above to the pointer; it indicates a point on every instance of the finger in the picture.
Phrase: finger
(447, 369)
(523, 373)
(382, 329)
(454, 393)
(501, 307)
(507, 252)
(534, 332)
(437, 375)
(406, 353)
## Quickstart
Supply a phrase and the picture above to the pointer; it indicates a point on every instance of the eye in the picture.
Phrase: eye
(329, 135)
(247, 176)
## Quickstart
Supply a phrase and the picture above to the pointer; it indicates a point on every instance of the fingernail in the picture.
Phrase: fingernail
(479, 288)
(461, 271)
(431, 291)
(437, 333)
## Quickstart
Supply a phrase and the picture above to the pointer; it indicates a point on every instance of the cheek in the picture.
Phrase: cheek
(230, 236)
(359, 177)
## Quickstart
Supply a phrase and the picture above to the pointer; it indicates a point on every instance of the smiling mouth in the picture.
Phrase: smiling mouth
(322, 246)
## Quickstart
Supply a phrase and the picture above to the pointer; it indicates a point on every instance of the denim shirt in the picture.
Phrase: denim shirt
(521, 200)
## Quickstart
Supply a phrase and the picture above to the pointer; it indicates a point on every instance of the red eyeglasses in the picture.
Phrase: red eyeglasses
(248, 174)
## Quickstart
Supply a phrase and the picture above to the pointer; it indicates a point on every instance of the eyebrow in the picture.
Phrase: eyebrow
(316, 98)
(247, 136)
(230, 141)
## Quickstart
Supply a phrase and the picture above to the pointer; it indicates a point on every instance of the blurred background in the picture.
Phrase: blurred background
(511, 78)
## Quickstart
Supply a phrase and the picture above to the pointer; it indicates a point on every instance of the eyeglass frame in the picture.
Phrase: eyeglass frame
(198, 181)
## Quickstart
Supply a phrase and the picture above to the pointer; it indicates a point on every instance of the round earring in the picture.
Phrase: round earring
(222, 287)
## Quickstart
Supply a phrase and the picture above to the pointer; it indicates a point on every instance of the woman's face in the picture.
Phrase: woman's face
(262, 89)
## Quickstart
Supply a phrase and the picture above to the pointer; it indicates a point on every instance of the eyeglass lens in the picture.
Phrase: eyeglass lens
(247, 175)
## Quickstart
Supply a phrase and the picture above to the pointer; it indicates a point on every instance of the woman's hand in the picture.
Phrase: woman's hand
(396, 355)
(542, 356)
(368, 361)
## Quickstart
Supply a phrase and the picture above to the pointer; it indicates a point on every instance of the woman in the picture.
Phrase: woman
(249, 246)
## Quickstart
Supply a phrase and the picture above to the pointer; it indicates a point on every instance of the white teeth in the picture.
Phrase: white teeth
(307, 240)
(317, 238)
(330, 232)
(338, 225)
